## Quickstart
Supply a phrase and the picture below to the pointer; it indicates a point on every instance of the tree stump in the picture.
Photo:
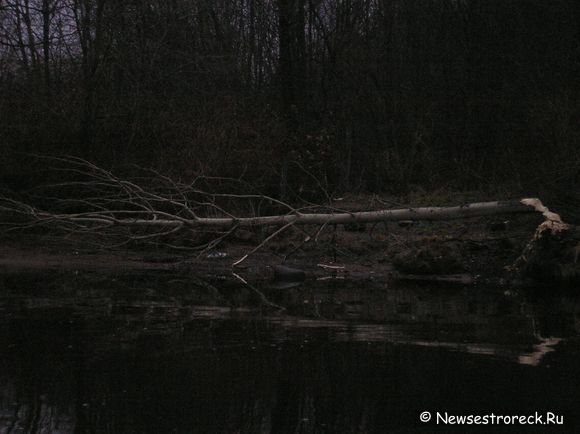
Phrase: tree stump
(553, 254)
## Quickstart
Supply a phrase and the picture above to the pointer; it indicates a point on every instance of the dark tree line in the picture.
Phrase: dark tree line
(297, 94)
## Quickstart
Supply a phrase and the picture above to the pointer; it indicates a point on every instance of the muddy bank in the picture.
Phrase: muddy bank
(463, 251)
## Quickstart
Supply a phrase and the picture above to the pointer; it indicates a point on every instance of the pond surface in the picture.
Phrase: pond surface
(172, 353)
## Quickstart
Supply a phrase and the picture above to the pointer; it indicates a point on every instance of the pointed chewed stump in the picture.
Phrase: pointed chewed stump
(551, 256)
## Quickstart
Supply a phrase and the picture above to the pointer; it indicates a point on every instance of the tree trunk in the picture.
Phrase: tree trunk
(479, 209)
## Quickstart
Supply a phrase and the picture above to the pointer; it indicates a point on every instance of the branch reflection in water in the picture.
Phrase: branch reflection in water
(151, 353)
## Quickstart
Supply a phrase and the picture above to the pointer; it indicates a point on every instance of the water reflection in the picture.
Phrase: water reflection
(164, 353)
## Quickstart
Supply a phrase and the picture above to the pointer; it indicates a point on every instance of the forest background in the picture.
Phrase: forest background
(299, 98)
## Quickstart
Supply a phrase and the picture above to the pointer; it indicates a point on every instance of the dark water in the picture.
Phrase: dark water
(159, 353)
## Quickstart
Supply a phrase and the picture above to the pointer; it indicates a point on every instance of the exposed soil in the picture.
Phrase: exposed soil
(462, 250)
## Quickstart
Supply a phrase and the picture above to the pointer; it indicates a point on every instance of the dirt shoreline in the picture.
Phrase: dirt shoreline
(464, 251)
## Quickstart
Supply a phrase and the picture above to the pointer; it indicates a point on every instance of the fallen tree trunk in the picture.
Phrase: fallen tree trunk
(107, 200)
(552, 254)
(162, 219)
(427, 213)
(164, 207)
